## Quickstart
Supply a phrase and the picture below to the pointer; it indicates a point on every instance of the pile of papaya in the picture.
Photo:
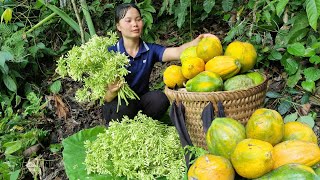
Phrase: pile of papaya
(206, 68)
(265, 148)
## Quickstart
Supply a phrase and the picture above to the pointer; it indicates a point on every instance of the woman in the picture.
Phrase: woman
(142, 57)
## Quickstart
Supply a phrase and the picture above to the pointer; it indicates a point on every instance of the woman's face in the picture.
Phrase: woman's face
(131, 25)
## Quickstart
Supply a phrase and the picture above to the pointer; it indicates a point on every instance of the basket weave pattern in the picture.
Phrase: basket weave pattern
(238, 105)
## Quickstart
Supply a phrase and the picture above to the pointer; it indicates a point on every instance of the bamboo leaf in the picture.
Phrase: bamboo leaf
(318, 6)
(281, 6)
(312, 13)
(87, 15)
(73, 24)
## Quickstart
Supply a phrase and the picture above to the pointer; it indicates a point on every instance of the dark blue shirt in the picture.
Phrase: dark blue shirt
(141, 65)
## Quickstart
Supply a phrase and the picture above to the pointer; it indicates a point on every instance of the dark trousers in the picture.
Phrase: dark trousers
(154, 104)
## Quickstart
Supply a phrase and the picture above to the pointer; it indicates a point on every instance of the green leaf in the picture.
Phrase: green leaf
(296, 49)
(315, 45)
(312, 13)
(18, 100)
(181, 12)
(15, 174)
(2, 61)
(227, 5)
(34, 49)
(55, 87)
(74, 154)
(308, 120)
(291, 66)
(312, 74)
(6, 55)
(148, 17)
(308, 86)
(55, 147)
(267, 16)
(208, 5)
(309, 52)
(291, 117)
(315, 59)
(274, 55)
(273, 94)
(281, 6)
(305, 98)
(294, 79)
(284, 107)
(298, 31)
(10, 83)
(12, 147)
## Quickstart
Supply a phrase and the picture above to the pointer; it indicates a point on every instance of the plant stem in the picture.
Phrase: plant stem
(41, 22)
(86, 14)
(74, 5)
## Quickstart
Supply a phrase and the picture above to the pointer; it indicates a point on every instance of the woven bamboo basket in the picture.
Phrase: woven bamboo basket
(239, 105)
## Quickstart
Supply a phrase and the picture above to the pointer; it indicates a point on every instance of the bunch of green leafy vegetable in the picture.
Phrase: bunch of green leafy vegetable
(92, 64)
(138, 148)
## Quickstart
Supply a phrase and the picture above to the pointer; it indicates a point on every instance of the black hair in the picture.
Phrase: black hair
(122, 9)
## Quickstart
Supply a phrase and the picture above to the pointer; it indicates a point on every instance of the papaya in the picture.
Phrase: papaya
(244, 52)
(188, 52)
(192, 66)
(266, 125)
(257, 77)
(223, 135)
(172, 76)
(291, 171)
(205, 81)
(300, 131)
(209, 47)
(211, 167)
(252, 158)
(225, 66)
(238, 82)
(296, 151)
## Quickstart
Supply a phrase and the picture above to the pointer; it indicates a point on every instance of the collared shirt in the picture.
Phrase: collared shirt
(141, 65)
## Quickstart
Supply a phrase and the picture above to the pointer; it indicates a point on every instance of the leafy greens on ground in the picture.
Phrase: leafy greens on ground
(92, 64)
(139, 148)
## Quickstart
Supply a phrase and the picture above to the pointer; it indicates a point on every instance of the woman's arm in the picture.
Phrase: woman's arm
(173, 53)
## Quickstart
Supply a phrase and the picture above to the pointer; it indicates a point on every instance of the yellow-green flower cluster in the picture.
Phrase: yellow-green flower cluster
(138, 148)
(96, 67)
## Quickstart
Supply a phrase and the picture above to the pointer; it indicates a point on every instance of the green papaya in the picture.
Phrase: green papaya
(238, 82)
(205, 81)
(291, 171)
(257, 77)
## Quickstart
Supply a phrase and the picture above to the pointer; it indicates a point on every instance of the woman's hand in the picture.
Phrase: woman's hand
(201, 36)
(114, 87)
(173, 53)
(112, 90)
